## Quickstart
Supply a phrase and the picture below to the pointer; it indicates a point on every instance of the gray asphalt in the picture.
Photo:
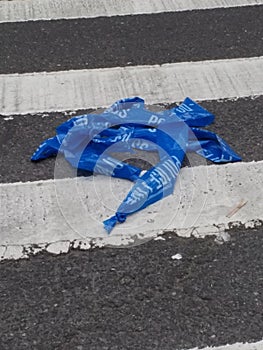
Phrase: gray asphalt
(134, 40)
(238, 122)
(136, 298)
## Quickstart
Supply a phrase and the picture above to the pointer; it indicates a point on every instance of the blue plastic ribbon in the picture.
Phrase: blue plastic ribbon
(87, 142)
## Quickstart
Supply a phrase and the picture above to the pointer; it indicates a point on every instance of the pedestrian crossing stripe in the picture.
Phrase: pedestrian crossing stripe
(237, 346)
(94, 88)
(56, 214)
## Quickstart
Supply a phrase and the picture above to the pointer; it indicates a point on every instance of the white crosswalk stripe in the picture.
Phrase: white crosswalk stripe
(238, 346)
(69, 90)
(53, 209)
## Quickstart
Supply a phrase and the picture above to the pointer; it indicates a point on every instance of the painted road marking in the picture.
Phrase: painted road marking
(17, 11)
(237, 346)
(94, 88)
(69, 211)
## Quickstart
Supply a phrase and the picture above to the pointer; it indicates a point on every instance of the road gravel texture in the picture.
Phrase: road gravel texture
(131, 40)
(136, 298)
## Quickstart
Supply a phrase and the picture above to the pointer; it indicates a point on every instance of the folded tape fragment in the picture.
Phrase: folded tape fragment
(87, 142)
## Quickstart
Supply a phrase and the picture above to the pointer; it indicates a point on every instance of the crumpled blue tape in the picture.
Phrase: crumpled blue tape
(85, 142)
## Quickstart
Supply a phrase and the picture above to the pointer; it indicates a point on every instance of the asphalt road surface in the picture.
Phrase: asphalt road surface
(131, 40)
(21, 136)
(137, 297)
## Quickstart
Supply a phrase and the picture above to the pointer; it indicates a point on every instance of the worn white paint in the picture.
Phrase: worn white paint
(15, 11)
(57, 214)
(237, 346)
(80, 89)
